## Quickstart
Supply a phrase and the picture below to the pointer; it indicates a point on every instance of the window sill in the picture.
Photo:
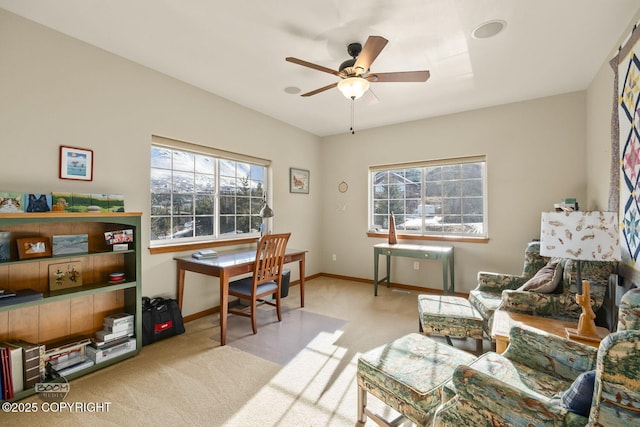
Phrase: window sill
(164, 249)
(464, 239)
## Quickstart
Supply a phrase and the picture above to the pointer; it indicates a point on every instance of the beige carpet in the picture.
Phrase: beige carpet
(189, 380)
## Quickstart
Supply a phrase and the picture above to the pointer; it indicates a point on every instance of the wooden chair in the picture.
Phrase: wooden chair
(266, 279)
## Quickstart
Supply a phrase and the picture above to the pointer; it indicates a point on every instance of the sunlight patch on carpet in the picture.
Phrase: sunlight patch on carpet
(278, 342)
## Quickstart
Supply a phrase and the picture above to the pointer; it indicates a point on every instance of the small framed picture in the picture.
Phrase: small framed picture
(76, 163)
(33, 247)
(298, 181)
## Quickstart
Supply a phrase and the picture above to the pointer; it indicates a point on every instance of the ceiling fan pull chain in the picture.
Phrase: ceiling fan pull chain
(353, 101)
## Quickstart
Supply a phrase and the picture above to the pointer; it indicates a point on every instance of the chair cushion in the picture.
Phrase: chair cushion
(449, 315)
(539, 383)
(578, 397)
(546, 280)
(243, 286)
(410, 372)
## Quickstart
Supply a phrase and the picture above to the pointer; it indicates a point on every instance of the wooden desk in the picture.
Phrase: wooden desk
(227, 265)
(442, 253)
(504, 320)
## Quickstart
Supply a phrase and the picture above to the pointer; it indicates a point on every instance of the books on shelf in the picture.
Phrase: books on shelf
(20, 296)
(63, 353)
(33, 368)
(115, 327)
(66, 366)
(5, 373)
(17, 373)
(111, 350)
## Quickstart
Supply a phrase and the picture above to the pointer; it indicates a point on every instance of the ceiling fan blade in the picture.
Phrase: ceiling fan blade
(402, 76)
(370, 52)
(312, 65)
(322, 89)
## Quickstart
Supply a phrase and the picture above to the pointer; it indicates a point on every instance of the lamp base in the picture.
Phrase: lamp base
(576, 335)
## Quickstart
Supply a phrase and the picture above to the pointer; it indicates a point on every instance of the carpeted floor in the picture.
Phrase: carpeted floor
(300, 372)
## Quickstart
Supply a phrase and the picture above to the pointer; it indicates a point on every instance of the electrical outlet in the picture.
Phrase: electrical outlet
(416, 265)
(333, 257)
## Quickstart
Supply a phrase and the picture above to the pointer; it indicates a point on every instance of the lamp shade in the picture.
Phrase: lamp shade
(578, 235)
(266, 211)
(353, 87)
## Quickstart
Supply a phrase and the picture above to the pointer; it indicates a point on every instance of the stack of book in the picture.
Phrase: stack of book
(114, 339)
(66, 357)
(205, 254)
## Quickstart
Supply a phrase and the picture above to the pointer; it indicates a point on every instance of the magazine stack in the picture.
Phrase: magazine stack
(115, 338)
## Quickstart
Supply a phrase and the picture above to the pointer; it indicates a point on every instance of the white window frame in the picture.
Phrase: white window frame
(430, 221)
(255, 200)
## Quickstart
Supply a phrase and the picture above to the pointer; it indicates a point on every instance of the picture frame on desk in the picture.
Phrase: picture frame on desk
(76, 163)
(33, 247)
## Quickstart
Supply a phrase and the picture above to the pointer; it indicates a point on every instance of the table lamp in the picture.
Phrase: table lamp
(265, 212)
(581, 236)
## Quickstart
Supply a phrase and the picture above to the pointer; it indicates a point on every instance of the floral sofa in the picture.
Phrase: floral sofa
(497, 290)
(536, 381)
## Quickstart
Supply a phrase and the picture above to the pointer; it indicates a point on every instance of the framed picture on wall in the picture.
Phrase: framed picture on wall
(298, 181)
(76, 163)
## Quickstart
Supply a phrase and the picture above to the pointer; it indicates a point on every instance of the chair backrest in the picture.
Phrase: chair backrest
(629, 311)
(270, 258)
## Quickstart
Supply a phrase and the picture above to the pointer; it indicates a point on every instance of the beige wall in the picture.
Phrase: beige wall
(535, 157)
(56, 90)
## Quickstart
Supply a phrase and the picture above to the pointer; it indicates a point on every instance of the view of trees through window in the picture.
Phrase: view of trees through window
(438, 199)
(197, 196)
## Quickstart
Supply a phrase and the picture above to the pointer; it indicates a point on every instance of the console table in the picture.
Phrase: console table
(441, 253)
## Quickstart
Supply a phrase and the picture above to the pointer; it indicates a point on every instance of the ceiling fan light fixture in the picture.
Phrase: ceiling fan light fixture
(353, 87)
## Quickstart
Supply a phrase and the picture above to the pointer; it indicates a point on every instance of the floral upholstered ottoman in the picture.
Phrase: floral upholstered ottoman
(450, 316)
(407, 374)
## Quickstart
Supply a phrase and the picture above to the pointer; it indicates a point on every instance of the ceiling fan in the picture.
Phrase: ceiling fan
(354, 73)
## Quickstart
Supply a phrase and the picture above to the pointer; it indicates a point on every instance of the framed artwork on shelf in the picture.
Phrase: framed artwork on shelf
(76, 163)
(65, 275)
(298, 181)
(5, 250)
(33, 247)
(69, 244)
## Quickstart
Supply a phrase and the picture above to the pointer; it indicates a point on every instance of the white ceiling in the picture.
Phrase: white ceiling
(236, 49)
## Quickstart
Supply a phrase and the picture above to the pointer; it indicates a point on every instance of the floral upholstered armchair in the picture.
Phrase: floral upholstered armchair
(496, 290)
(542, 380)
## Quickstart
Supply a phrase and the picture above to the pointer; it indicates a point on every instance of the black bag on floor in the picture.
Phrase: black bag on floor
(161, 318)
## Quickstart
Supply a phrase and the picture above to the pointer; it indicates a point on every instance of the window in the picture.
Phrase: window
(438, 198)
(203, 194)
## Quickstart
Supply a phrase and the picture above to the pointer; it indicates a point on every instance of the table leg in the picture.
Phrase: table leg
(451, 269)
(180, 285)
(301, 270)
(224, 305)
(375, 273)
(445, 280)
(388, 271)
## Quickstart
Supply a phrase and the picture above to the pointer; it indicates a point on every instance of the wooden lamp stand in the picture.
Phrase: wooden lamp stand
(586, 325)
